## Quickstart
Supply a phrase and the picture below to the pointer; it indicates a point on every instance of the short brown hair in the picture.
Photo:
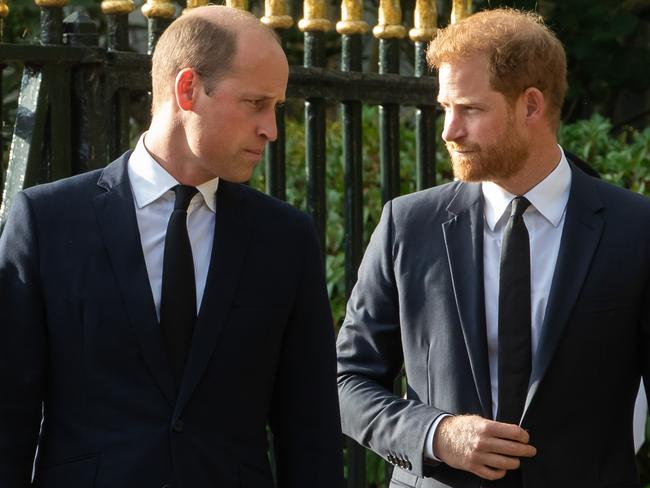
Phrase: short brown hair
(192, 41)
(521, 52)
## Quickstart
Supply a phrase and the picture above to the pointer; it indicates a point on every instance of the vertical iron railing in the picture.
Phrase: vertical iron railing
(159, 14)
(314, 24)
(117, 39)
(275, 163)
(59, 117)
(88, 134)
(389, 30)
(351, 27)
(425, 19)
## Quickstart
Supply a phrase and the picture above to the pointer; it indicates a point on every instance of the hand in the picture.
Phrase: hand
(483, 447)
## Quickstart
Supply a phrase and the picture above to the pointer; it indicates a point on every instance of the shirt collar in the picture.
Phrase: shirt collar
(549, 197)
(150, 181)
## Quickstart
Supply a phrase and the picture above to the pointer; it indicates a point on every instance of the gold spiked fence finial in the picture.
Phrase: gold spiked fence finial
(116, 7)
(158, 9)
(238, 4)
(51, 3)
(315, 17)
(4, 9)
(389, 25)
(424, 21)
(460, 9)
(275, 14)
(191, 4)
(351, 22)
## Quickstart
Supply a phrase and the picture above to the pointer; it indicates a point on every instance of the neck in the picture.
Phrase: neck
(542, 160)
(166, 142)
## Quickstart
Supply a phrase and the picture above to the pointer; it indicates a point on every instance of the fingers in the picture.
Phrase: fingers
(506, 431)
(505, 447)
(483, 447)
(488, 473)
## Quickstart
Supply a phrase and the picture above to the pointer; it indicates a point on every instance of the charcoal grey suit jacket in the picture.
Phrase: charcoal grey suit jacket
(419, 303)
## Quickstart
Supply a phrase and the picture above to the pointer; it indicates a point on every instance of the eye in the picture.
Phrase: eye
(255, 103)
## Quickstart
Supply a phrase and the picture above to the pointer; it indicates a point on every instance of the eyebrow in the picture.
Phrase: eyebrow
(460, 101)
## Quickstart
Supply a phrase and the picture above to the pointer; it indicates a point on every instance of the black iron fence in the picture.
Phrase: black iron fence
(75, 102)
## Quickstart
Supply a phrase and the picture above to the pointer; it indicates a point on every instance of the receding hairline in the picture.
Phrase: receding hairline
(230, 19)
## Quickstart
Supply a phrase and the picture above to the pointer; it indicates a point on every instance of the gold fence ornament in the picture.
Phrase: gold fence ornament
(275, 14)
(315, 17)
(238, 4)
(158, 9)
(117, 7)
(51, 3)
(460, 9)
(425, 21)
(389, 24)
(4, 9)
(351, 22)
(192, 4)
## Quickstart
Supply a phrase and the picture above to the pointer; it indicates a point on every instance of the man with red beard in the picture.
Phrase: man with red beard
(517, 299)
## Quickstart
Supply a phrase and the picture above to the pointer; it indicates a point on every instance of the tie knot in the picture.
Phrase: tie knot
(518, 206)
(184, 194)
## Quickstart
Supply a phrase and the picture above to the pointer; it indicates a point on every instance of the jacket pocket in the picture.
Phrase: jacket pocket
(78, 473)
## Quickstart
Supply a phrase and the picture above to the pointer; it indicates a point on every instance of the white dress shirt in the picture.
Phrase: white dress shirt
(152, 191)
(544, 220)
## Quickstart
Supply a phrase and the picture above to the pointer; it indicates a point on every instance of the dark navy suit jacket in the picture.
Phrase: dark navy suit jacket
(419, 302)
(80, 346)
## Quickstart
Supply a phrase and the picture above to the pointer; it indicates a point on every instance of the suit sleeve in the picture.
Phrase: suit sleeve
(22, 346)
(304, 414)
(370, 356)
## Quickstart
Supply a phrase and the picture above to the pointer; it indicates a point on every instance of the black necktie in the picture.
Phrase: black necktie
(514, 315)
(178, 297)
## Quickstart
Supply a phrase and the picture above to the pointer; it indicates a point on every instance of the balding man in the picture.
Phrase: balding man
(158, 315)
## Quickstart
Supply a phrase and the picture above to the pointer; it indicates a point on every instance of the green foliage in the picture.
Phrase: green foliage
(606, 51)
(607, 48)
(622, 159)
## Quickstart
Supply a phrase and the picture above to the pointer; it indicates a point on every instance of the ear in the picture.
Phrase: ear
(185, 88)
(535, 105)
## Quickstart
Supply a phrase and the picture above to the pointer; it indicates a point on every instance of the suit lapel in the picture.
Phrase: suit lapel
(230, 243)
(463, 235)
(115, 213)
(583, 226)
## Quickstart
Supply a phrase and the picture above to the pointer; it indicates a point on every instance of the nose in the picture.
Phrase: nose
(454, 128)
(267, 126)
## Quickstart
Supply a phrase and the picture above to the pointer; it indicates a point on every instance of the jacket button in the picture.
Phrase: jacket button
(178, 427)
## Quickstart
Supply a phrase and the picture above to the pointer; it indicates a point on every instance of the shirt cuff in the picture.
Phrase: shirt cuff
(428, 444)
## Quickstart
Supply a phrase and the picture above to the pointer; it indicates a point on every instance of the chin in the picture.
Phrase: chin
(465, 170)
(240, 177)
